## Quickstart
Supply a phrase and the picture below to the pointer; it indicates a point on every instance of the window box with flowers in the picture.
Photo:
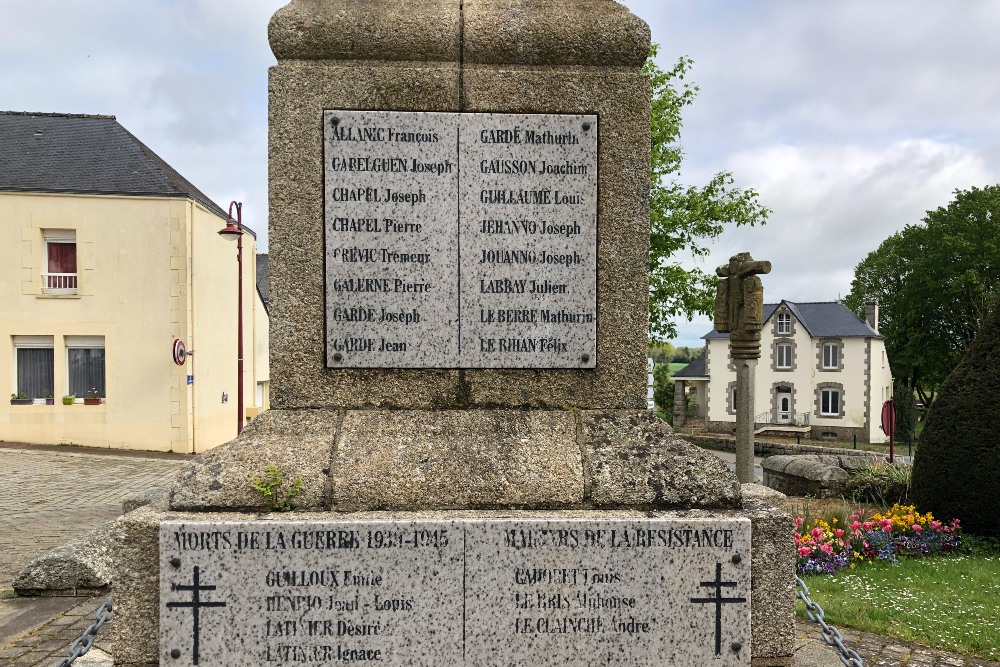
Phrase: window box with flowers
(92, 398)
(21, 399)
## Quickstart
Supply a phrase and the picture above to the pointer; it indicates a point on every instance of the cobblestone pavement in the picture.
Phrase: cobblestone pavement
(48, 496)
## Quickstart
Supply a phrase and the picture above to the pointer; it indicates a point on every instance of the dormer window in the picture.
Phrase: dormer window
(784, 323)
(60, 262)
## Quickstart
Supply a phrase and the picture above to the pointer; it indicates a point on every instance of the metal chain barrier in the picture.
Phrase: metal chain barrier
(104, 614)
(831, 635)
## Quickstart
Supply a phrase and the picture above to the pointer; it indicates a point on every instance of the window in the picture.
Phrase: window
(34, 360)
(60, 262)
(783, 354)
(85, 365)
(784, 323)
(732, 399)
(831, 355)
(829, 402)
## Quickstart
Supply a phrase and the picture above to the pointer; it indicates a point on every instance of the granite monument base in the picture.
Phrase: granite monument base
(394, 473)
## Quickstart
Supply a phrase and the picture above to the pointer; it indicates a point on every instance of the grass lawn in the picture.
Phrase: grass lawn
(675, 367)
(951, 603)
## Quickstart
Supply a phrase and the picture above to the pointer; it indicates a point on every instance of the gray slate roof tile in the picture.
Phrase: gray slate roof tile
(827, 319)
(85, 154)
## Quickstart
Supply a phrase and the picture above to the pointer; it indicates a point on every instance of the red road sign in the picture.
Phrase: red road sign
(180, 353)
(889, 418)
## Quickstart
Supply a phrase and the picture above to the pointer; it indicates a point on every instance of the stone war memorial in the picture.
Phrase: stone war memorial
(459, 237)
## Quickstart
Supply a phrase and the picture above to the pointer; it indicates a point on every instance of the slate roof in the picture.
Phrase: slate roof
(85, 154)
(696, 369)
(264, 281)
(827, 319)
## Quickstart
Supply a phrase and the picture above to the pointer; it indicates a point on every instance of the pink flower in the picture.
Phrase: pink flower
(838, 532)
(798, 521)
(855, 525)
(917, 527)
(828, 548)
(867, 525)
(935, 525)
(804, 551)
(817, 533)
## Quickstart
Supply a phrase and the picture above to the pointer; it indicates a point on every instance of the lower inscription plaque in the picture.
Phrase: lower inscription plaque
(456, 592)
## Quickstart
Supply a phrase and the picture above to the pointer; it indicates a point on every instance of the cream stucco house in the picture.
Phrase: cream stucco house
(108, 256)
(822, 372)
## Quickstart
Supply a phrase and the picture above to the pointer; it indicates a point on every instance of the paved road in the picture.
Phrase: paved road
(50, 495)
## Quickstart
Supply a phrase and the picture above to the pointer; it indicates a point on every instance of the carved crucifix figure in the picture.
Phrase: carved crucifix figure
(739, 311)
(739, 304)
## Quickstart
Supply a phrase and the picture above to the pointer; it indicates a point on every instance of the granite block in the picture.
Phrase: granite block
(410, 30)
(772, 573)
(299, 443)
(597, 33)
(479, 590)
(456, 459)
(620, 98)
(79, 567)
(299, 93)
(634, 459)
(135, 544)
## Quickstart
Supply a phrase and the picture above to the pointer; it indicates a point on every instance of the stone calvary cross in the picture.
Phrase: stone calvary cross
(739, 311)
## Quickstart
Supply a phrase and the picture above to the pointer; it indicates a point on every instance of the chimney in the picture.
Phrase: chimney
(871, 314)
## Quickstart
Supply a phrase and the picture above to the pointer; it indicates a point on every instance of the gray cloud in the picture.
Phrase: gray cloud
(851, 118)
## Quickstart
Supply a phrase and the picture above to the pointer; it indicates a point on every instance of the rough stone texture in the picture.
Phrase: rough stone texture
(411, 30)
(577, 32)
(634, 459)
(823, 476)
(136, 552)
(301, 89)
(79, 567)
(759, 492)
(456, 459)
(299, 443)
(135, 630)
(134, 501)
(621, 98)
(772, 580)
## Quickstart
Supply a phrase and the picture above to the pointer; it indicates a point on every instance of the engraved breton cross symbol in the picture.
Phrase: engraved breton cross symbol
(718, 600)
(196, 603)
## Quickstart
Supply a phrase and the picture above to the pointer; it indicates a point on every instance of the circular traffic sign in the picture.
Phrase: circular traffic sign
(180, 352)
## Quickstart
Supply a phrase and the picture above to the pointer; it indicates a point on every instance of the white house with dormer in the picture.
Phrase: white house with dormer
(823, 372)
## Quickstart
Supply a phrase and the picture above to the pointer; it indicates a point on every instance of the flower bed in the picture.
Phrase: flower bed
(825, 547)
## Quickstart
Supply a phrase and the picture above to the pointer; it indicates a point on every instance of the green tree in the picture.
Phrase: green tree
(934, 283)
(683, 218)
(957, 464)
(662, 353)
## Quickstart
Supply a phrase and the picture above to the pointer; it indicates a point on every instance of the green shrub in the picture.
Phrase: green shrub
(956, 469)
(881, 483)
(663, 389)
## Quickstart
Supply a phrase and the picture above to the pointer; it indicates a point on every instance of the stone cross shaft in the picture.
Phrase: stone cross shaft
(739, 311)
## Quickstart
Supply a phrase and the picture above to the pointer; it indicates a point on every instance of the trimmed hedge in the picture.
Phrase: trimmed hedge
(956, 469)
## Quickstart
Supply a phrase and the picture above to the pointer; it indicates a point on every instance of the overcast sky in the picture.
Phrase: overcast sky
(850, 118)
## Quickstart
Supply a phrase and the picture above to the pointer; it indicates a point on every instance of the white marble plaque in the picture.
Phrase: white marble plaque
(460, 240)
(484, 592)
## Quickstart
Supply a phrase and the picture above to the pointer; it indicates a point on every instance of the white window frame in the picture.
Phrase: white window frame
(826, 400)
(784, 323)
(831, 361)
(787, 349)
(31, 342)
(65, 283)
(85, 342)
